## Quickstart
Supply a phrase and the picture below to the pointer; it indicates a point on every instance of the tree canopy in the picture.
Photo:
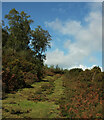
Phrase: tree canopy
(23, 50)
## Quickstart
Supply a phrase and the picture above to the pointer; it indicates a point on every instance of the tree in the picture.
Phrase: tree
(39, 43)
(22, 64)
(19, 30)
(5, 36)
(96, 69)
(57, 67)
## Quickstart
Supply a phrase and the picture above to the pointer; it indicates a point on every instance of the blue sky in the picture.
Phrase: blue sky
(75, 28)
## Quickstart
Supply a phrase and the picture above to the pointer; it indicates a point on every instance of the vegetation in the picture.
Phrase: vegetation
(83, 94)
(34, 90)
(23, 51)
(35, 102)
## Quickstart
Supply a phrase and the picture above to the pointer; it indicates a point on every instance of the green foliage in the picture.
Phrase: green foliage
(46, 86)
(5, 36)
(85, 76)
(58, 70)
(75, 71)
(54, 70)
(96, 69)
(22, 64)
(76, 99)
(19, 29)
(40, 41)
(99, 77)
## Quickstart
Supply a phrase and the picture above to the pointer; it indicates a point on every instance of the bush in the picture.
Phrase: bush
(29, 78)
(99, 77)
(46, 86)
(85, 76)
(17, 74)
(12, 81)
(75, 71)
(96, 69)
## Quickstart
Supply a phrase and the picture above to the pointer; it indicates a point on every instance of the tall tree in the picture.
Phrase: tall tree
(19, 58)
(19, 30)
(39, 43)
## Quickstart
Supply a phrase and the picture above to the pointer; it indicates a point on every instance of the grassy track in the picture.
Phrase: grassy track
(58, 91)
(19, 105)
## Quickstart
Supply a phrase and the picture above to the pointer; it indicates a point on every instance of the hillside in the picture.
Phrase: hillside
(31, 89)
(69, 95)
(39, 101)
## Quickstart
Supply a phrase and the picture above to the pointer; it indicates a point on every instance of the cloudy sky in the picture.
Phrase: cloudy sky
(75, 27)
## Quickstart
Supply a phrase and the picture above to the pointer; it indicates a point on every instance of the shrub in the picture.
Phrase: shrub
(18, 74)
(96, 69)
(29, 78)
(99, 77)
(75, 71)
(46, 86)
(85, 76)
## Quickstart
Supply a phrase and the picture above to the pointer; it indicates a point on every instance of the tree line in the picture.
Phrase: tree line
(23, 51)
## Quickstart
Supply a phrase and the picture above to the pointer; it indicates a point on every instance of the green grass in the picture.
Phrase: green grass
(55, 97)
(31, 109)
(19, 106)
(58, 91)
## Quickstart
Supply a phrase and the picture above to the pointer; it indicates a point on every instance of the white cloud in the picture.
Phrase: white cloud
(66, 28)
(92, 60)
(67, 44)
(58, 57)
(88, 39)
